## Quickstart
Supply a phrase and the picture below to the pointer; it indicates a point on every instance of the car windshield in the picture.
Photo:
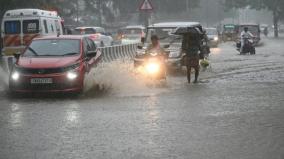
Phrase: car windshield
(165, 35)
(53, 47)
(86, 31)
(132, 31)
(211, 31)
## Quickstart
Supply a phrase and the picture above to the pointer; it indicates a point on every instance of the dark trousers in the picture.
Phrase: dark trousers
(192, 62)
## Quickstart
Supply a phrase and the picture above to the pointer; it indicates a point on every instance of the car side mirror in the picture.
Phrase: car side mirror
(166, 46)
(91, 53)
(17, 55)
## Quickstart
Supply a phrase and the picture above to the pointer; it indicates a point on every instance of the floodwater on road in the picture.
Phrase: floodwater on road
(236, 111)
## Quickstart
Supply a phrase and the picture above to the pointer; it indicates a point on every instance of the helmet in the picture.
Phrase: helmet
(245, 29)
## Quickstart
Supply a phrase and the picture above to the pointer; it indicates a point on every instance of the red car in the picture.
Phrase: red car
(54, 64)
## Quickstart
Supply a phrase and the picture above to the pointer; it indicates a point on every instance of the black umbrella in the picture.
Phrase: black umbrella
(187, 30)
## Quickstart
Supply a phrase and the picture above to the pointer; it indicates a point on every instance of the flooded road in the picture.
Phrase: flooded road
(236, 112)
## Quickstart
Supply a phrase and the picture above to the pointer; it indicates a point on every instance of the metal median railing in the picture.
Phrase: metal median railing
(118, 52)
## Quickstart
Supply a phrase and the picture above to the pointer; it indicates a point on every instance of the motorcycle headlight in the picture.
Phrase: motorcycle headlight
(71, 75)
(216, 38)
(174, 54)
(15, 75)
(152, 68)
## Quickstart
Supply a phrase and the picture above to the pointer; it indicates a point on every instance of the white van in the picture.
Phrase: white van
(20, 26)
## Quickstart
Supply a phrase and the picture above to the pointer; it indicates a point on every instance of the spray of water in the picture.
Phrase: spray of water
(119, 78)
(4, 78)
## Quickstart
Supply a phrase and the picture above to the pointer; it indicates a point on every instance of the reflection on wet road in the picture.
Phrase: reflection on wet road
(236, 111)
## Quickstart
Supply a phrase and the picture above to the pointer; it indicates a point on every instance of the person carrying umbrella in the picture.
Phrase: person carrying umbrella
(191, 46)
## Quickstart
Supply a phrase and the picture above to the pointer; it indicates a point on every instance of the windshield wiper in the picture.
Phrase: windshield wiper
(33, 51)
(70, 54)
(49, 55)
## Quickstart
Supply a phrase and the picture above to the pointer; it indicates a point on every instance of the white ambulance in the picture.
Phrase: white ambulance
(20, 26)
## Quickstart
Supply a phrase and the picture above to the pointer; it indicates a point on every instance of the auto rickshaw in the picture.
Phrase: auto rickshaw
(229, 32)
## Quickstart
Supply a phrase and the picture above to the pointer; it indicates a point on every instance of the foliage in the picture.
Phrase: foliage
(275, 6)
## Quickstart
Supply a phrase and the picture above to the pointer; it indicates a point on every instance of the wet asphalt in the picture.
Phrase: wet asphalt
(236, 111)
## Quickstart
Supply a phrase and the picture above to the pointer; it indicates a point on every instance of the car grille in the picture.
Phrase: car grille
(46, 70)
(40, 71)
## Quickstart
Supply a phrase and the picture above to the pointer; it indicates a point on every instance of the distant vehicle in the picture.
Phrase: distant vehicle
(170, 41)
(20, 26)
(97, 34)
(229, 32)
(69, 29)
(132, 33)
(281, 28)
(263, 27)
(247, 48)
(213, 37)
(254, 29)
(54, 64)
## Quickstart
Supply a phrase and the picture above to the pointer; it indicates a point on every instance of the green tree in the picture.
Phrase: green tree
(275, 6)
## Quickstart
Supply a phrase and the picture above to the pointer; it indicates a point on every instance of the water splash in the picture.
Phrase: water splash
(119, 78)
(4, 78)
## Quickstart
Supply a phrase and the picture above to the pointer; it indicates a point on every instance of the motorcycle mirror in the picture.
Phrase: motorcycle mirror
(17, 55)
(166, 46)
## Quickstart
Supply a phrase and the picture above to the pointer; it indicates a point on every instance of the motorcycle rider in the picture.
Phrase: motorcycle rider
(155, 45)
(246, 34)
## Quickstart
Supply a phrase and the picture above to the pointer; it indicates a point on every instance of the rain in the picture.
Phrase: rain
(141, 79)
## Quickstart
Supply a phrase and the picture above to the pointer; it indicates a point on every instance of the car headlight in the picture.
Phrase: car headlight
(15, 75)
(72, 75)
(216, 38)
(174, 54)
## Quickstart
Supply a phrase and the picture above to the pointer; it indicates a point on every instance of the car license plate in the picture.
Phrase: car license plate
(41, 80)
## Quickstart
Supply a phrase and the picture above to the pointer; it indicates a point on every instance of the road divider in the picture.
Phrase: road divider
(112, 53)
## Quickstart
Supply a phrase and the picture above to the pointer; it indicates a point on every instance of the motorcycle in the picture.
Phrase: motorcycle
(247, 48)
(152, 65)
(265, 32)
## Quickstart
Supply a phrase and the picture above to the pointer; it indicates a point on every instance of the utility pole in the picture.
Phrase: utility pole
(77, 14)
(187, 6)
(100, 12)
(207, 13)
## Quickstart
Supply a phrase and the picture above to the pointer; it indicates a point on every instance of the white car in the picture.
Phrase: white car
(133, 33)
(97, 34)
(213, 36)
